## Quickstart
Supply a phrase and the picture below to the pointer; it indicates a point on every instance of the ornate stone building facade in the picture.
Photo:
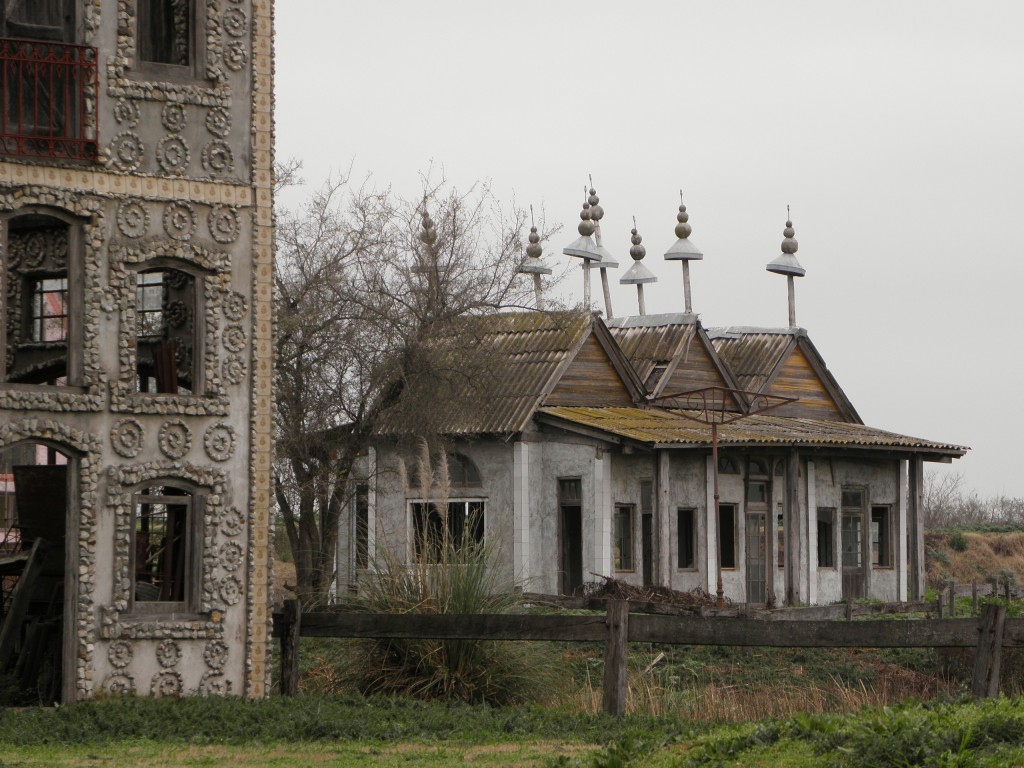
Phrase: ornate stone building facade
(136, 145)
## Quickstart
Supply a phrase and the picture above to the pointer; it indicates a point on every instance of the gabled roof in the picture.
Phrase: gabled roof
(521, 358)
(783, 361)
(669, 428)
(671, 353)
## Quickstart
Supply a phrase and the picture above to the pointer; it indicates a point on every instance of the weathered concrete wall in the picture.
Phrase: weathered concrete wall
(183, 178)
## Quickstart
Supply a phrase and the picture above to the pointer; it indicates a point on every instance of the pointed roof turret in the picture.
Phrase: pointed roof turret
(683, 250)
(786, 264)
(638, 274)
(532, 264)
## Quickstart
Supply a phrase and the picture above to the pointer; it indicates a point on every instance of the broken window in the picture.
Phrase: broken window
(441, 530)
(165, 32)
(686, 525)
(164, 562)
(727, 539)
(622, 532)
(881, 536)
(166, 308)
(826, 537)
(40, 301)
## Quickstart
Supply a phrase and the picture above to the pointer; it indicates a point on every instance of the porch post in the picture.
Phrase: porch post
(521, 512)
(663, 530)
(793, 527)
(710, 542)
(812, 536)
(915, 519)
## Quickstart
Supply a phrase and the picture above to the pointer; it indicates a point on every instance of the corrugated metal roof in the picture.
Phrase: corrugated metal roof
(651, 347)
(751, 353)
(663, 426)
(518, 353)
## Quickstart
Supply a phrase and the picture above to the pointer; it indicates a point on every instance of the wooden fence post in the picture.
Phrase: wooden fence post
(988, 656)
(849, 609)
(615, 655)
(952, 599)
(1006, 590)
(974, 597)
(290, 648)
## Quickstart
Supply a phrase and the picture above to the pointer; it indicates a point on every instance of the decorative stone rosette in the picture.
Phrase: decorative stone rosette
(175, 438)
(127, 437)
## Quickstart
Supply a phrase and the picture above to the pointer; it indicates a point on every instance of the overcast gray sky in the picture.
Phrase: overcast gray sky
(895, 130)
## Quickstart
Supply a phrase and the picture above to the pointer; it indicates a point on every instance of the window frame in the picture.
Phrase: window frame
(723, 507)
(624, 552)
(827, 516)
(73, 272)
(192, 571)
(885, 558)
(199, 322)
(157, 70)
(415, 541)
(686, 530)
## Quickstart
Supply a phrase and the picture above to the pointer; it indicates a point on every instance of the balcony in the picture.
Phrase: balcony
(49, 100)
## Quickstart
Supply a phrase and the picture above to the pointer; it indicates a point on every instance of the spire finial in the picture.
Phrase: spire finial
(786, 264)
(638, 274)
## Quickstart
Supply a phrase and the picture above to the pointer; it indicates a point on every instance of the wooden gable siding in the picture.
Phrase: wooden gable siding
(696, 370)
(590, 379)
(796, 378)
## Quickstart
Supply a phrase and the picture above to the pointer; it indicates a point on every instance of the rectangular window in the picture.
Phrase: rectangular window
(686, 531)
(165, 32)
(881, 536)
(757, 492)
(826, 537)
(48, 308)
(361, 502)
(622, 527)
(780, 530)
(166, 307)
(727, 535)
(163, 561)
(437, 534)
(149, 304)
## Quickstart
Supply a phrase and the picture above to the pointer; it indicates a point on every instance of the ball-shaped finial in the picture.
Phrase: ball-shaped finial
(534, 249)
(789, 245)
(683, 229)
(429, 234)
(596, 211)
(587, 225)
(637, 251)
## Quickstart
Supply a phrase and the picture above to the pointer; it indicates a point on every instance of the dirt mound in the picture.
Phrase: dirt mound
(965, 556)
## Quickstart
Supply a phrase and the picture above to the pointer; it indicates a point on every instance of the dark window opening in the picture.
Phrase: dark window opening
(462, 472)
(437, 534)
(570, 534)
(622, 528)
(686, 532)
(38, 306)
(727, 535)
(161, 525)
(826, 538)
(166, 309)
(165, 32)
(757, 492)
(780, 531)
(881, 536)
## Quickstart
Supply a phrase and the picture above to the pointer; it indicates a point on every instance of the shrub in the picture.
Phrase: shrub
(958, 541)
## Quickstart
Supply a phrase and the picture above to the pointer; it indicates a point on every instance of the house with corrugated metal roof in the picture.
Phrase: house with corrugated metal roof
(656, 451)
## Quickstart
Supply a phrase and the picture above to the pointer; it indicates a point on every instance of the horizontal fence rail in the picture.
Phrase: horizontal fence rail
(618, 627)
(49, 93)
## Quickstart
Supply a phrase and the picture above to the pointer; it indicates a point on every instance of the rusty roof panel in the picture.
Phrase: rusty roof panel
(666, 427)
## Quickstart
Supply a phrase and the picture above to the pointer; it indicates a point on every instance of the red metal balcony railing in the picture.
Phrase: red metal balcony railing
(49, 93)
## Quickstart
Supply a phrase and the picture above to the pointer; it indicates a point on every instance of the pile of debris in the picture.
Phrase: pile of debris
(609, 588)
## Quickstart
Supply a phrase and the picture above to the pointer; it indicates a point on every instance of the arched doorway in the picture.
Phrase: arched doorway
(37, 590)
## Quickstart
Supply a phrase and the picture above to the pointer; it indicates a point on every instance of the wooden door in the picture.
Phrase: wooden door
(755, 558)
(571, 536)
(853, 543)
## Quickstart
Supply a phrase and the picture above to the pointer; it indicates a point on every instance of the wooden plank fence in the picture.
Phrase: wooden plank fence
(620, 626)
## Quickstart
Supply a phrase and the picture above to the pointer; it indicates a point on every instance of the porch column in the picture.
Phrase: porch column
(521, 512)
(915, 521)
(371, 504)
(902, 550)
(812, 536)
(710, 543)
(793, 527)
(663, 527)
(601, 561)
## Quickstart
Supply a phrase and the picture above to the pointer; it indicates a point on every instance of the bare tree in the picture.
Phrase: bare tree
(367, 284)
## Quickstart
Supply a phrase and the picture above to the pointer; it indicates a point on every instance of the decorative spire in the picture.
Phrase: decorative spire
(532, 264)
(638, 274)
(607, 260)
(428, 236)
(683, 250)
(584, 246)
(787, 264)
